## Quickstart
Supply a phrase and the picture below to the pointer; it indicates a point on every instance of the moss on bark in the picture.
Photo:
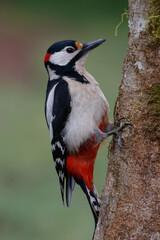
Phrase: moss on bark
(153, 25)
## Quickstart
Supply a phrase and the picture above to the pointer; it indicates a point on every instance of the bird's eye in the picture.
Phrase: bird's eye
(70, 50)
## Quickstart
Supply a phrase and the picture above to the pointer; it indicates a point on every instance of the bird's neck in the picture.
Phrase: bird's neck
(52, 73)
(76, 72)
(80, 68)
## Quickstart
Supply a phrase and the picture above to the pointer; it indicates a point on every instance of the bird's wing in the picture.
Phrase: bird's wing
(60, 112)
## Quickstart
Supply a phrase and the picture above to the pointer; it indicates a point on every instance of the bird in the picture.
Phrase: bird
(77, 115)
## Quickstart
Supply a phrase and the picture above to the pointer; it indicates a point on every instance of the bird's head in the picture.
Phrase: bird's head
(63, 56)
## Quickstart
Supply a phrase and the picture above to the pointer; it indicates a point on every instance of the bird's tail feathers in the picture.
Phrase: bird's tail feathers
(92, 197)
(70, 183)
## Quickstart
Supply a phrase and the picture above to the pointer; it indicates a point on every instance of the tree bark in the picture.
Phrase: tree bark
(130, 201)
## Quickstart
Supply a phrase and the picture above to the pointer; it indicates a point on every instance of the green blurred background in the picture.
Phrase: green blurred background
(30, 201)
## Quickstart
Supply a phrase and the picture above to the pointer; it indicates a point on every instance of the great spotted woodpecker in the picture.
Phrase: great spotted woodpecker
(76, 112)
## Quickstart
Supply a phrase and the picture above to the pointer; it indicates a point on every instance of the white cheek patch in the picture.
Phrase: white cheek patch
(62, 58)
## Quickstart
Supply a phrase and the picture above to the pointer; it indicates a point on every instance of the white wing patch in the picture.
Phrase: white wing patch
(51, 128)
(49, 105)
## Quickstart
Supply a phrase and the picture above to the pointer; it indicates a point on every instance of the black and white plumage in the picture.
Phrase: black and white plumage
(57, 110)
(77, 117)
(68, 78)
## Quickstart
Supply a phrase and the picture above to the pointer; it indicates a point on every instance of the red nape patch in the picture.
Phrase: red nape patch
(47, 56)
(81, 165)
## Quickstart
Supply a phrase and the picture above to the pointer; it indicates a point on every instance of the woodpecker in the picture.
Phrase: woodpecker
(77, 115)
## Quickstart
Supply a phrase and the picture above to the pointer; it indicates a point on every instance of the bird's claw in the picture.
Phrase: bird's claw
(117, 132)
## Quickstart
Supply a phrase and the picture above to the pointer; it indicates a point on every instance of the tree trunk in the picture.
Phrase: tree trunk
(130, 201)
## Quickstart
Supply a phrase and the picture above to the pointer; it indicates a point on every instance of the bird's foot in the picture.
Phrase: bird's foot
(117, 132)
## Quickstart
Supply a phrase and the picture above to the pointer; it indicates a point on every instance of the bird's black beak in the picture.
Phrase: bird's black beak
(91, 45)
(85, 49)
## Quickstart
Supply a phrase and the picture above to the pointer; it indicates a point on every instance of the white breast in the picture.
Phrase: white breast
(88, 107)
